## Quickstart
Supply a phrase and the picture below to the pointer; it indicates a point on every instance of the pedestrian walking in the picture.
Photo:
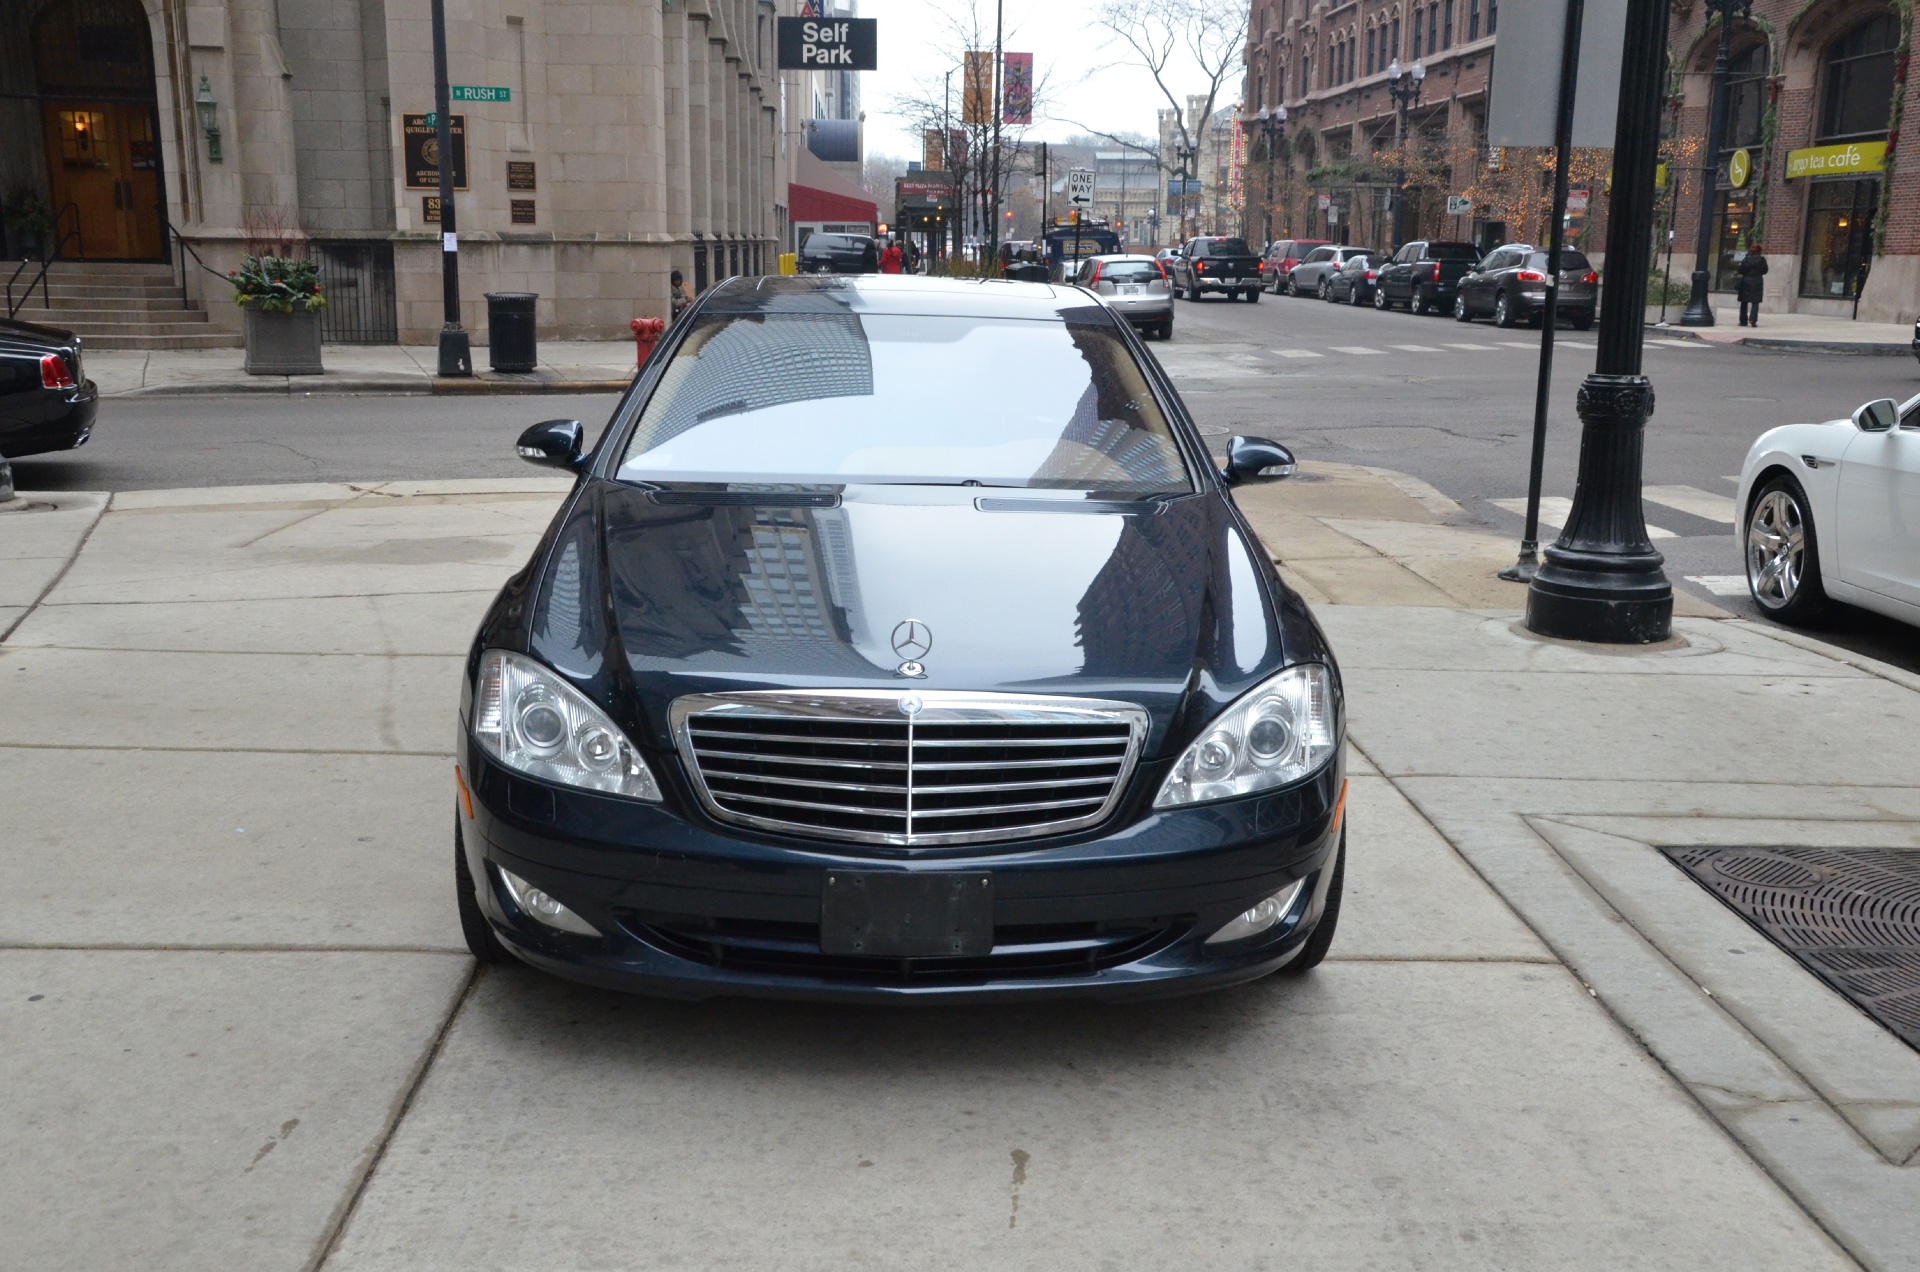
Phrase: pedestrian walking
(890, 259)
(870, 257)
(678, 293)
(1753, 286)
(913, 257)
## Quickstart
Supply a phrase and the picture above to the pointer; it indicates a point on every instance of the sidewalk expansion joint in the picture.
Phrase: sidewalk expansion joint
(377, 1152)
(55, 581)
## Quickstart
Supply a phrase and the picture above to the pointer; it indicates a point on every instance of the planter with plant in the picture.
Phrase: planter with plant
(282, 299)
(28, 223)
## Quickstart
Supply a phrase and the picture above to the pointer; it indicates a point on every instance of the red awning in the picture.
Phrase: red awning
(818, 193)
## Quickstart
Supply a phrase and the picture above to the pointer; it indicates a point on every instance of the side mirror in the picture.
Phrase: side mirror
(1877, 416)
(553, 444)
(1251, 457)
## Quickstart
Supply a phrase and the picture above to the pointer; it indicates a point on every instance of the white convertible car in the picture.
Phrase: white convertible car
(1832, 511)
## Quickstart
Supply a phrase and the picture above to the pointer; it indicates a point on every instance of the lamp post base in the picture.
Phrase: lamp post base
(456, 354)
(1603, 582)
(1699, 311)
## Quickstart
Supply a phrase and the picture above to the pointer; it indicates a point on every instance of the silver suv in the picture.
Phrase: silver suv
(1136, 287)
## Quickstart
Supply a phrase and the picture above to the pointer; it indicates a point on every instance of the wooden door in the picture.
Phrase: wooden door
(102, 159)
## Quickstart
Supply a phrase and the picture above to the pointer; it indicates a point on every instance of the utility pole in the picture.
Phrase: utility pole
(993, 209)
(1602, 581)
(456, 353)
(954, 202)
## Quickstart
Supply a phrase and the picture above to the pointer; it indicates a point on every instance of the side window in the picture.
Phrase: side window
(1321, 254)
(1406, 254)
(1910, 415)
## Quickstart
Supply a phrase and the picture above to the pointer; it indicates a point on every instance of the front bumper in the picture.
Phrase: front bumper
(690, 908)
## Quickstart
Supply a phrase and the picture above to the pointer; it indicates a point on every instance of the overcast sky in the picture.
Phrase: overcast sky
(1067, 54)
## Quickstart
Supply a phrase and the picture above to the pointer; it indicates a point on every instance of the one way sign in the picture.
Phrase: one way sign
(829, 44)
(1080, 187)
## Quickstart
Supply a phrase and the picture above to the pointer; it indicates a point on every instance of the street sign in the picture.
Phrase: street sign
(1080, 186)
(1526, 76)
(1459, 205)
(1577, 200)
(479, 93)
(829, 44)
(1325, 201)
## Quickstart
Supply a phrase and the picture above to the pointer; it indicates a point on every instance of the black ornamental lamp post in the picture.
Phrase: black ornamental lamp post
(1602, 581)
(1699, 311)
(1403, 87)
(1188, 155)
(1272, 122)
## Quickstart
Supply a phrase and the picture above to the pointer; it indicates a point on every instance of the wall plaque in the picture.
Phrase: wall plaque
(422, 145)
(522, 211)
(520, 174)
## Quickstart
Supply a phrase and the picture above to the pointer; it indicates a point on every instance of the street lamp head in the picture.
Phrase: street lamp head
(1393, 71)
(1419, 72)
(1279, 114)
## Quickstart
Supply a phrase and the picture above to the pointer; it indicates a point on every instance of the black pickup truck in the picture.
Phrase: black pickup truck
(1424, 275)
(1216, 264)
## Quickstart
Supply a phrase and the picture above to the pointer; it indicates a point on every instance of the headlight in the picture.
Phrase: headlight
(530, 719)
(1280, 732)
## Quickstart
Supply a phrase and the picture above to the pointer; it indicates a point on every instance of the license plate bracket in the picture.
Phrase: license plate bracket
(906, 914)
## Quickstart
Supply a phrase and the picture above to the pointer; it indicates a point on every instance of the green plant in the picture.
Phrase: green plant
(27, 212)
(1660, 290)
(278, 284)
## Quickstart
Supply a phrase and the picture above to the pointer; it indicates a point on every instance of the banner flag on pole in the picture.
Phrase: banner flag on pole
(976, 98)
(1016, 89)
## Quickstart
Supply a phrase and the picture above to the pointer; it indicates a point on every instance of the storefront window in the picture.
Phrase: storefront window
(1839, 237)
(1746, 97)
(1857, 97)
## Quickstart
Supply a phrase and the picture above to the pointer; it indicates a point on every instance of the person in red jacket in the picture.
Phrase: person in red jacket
(890, 259)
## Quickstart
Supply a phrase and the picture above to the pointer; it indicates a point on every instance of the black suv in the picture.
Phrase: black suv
(824, 253)
(1216, 264)
(1424, 274)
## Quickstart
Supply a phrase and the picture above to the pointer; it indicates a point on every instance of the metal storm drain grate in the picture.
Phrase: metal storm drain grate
(1850, 915)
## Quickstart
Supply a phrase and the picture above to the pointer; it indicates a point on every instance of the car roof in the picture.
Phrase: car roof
(915, 294)
(1121, 256)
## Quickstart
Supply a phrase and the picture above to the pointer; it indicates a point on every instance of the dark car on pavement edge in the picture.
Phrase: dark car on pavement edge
(1510, 287)
(1423, 274)
(1353, 282)
(825, 253)
(1216, 264)
(46, 401)
(899, 639)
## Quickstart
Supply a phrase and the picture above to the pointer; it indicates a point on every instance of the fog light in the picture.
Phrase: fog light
(542, 908)
(1261, 917)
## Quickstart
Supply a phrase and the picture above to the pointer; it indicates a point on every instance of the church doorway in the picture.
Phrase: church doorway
(99, 125)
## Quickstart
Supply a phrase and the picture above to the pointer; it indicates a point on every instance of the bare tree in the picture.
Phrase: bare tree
(1180, 42)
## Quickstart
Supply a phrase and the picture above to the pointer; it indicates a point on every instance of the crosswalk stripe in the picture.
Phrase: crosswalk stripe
(1359, 349)
(1418, 348)
(1734, 480)
(1299, 353)
(1477, 348)
(1721, 584)
(1554, 510)
(1691, 499)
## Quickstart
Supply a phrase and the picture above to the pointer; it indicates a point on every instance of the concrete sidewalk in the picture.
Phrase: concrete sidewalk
(566, 366)
(1812, 333)
(238, 1028)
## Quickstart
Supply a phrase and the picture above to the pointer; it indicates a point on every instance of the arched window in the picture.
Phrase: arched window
(1857, 97)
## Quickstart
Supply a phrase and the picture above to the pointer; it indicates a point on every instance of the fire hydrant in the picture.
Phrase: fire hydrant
(646, 334)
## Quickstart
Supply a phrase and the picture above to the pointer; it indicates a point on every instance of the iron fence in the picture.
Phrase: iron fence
(358, 278)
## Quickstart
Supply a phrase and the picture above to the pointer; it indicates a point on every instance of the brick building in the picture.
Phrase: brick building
(1333, 172)
(1816, 95)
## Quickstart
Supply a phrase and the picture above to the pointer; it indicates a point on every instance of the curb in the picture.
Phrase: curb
(388, 386)
(477, 387)
(1866, 348)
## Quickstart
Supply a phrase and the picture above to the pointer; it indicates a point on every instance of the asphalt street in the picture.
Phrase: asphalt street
(1451, 404)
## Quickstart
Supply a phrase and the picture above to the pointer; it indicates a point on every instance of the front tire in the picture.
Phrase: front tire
(1783, 554)
(1315, 950)
(1502, 311)
(481, 941)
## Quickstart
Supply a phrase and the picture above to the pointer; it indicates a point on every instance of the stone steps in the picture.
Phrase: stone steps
(122, 305)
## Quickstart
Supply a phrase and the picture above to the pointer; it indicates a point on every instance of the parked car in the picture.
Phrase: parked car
(1510, 286)
(1135, 287)
(786, 701)
(1309, 277)
(1354, 281)
(825, 253)
(1280, 258)
(1217, 264)
(1423, 274)
(46, 401)
(1828, 511)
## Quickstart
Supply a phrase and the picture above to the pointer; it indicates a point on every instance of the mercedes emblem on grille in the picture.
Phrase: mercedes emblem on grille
(910, 704)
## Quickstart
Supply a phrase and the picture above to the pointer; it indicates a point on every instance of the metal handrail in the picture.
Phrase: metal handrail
(184, 302)
(59, 249)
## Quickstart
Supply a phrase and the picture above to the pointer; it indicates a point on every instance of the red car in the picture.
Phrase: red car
(1276, 267)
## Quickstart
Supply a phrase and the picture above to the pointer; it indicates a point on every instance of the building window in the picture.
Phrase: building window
(1839, 237)
(1746, 97)
(1446, 25)
(1858, 94)
(1493, 16)
(1433, 27)
(1473, 20)
(1416, 35)
(1371, 33)
(1393, 43)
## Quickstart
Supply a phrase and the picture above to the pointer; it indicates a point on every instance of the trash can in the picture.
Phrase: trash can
(511, 345)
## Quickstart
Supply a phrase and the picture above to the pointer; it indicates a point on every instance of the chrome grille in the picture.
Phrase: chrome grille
(961, 768)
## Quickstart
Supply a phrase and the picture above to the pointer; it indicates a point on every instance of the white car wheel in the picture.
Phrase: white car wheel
(1783, 562)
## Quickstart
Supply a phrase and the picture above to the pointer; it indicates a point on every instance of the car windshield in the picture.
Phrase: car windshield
(1224, 247)
(1569, 259)
(1129, 272)
(1453, 252)
(845, 398)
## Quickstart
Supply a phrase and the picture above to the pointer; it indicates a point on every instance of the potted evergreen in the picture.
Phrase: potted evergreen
(28, 224)
(282, 301)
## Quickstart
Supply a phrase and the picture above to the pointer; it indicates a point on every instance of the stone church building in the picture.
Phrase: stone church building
(605, 144)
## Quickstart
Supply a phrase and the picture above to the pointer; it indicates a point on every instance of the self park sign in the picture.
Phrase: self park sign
(829, 44)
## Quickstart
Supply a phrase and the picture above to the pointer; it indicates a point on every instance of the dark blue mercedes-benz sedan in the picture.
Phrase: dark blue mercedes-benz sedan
(900, 640)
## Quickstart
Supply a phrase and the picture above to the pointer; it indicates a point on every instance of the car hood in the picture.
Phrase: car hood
(642, 597)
